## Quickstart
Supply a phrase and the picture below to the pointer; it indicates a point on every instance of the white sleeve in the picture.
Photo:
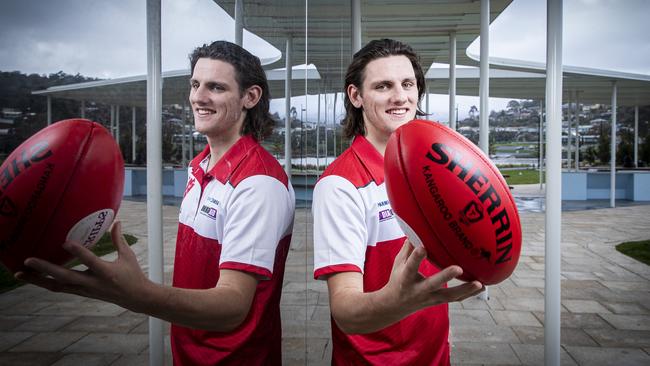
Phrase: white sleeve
(259, 214)
(340, 232)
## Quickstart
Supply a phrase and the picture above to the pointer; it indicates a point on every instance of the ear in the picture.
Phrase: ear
(251, 96)
(354, 94)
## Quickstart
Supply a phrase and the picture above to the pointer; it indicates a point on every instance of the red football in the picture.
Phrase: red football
(450, 198)
(63, 183)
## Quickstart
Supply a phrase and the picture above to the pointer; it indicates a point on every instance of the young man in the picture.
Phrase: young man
(235, 226)
(388, 305)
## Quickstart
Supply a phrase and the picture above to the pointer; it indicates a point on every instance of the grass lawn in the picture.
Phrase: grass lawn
(104, 246)
(528, 176)
(639, 250)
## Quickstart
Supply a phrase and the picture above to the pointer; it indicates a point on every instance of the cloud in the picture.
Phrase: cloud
(107, 39)
(603, 34)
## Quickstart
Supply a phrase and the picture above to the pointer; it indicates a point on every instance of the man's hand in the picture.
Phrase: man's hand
(412, 290)
(121, 282)
(406, 292)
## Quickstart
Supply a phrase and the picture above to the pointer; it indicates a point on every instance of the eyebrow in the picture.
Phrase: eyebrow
(379, 82)
(210, 84)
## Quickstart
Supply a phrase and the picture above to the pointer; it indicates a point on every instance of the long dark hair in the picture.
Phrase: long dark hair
(248, 72)
(353, 123)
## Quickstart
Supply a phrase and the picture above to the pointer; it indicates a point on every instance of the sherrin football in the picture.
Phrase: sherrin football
(63, 183)
(450, 198)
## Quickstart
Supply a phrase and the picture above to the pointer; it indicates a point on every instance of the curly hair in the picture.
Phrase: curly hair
(353, 122)
(248, 72)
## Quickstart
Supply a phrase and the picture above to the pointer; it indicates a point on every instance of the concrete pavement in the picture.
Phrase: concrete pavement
(605, 303)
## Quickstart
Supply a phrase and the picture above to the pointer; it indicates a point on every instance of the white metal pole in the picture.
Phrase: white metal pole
(49, 110)
(117, 124)
(306, 85)
(83, 109)
(612, 158)
(183, 134)
(191, 154)
(318, 133)
(484, 85)
(569, 114)
(334, 123)
(426, 99)
(154, 171)
(287, 107)
(239, 22)
(452, 81)
(541, 143)
(484, 91)
(191, 119)
(577, 119)
(636, 136)
(112, 121)
(325, 115)
(134, 136)
(553, 216)
(356, 25)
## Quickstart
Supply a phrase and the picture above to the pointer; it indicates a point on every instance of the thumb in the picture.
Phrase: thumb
(118, 239)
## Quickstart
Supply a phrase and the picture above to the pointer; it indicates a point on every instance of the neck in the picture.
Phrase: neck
(219, 146)
(378, 141)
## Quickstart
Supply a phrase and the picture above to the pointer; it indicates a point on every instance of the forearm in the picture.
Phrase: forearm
(366, 312)
(356, 311)
(217, 309)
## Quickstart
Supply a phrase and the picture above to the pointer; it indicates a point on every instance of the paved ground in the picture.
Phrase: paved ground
(605, 303)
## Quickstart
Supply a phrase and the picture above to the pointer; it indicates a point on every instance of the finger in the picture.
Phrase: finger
(118, 239)
(404, 252)
(479, 288)
(461, 292)
(39, 280)
(435, 282)
(85, 256)
(58, 273)
(413, 263)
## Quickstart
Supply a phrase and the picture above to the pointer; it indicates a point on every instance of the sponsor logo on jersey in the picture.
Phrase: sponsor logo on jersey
(208, 211)
(385, 215)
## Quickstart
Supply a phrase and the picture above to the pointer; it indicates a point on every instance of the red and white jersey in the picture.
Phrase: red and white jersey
(355, 230)
(239, 216)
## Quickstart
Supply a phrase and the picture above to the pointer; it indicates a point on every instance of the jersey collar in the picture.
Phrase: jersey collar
(228, 162)
(369, 157)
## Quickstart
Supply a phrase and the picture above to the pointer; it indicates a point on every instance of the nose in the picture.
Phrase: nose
(399, 95)
(197, 95)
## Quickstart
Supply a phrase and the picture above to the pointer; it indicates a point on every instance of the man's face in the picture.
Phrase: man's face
(217, 104)
(388, 96)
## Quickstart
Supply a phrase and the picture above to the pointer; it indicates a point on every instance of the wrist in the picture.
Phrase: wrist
(144, 296)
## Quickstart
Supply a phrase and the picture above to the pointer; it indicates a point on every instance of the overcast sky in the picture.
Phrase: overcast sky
(106, 39)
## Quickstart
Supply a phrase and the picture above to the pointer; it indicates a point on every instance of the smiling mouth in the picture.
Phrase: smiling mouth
(397, 111)
(204, 111)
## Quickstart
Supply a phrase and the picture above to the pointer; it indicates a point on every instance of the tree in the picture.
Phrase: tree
(604, 147)
(589, 155)
(514, 106)
(644, 153)
(625, 150)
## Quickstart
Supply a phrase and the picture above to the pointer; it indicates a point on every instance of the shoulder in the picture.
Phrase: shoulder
(258, 162)
(349, 167)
